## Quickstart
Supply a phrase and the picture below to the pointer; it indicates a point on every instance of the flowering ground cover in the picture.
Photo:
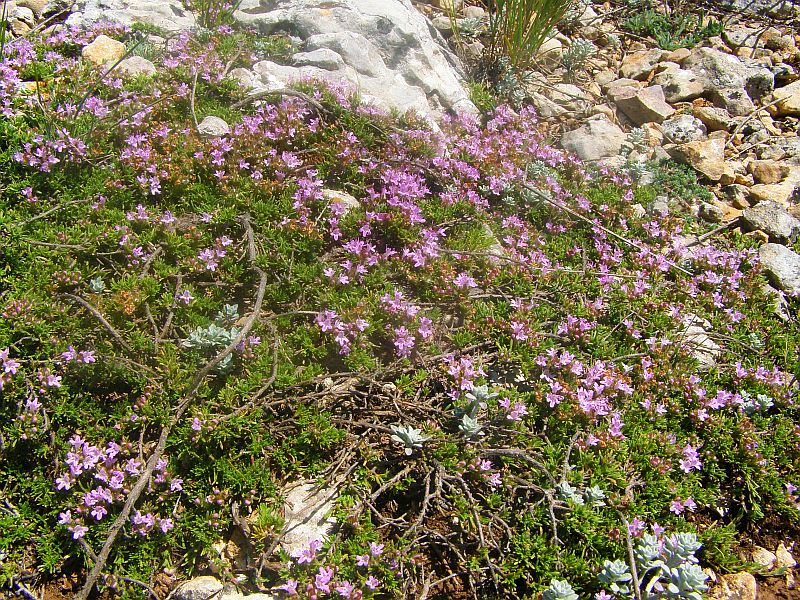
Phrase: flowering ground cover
(519, 382)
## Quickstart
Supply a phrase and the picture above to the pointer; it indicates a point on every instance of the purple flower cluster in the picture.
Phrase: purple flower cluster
(344, 333)
(102, 478)
(324, 583)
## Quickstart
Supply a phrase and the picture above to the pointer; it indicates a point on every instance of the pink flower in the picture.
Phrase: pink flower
(636, 527)
(362, 560)
(372, 583)
(290, 587)
(375, 549)
(345, 589)
(463, 280)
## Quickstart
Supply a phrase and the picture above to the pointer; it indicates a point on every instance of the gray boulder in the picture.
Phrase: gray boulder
(782, 267)
(384, 49)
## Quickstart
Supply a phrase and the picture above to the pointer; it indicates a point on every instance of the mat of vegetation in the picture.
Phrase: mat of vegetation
(516, 381)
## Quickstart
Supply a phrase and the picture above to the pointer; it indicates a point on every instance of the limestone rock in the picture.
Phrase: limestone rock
(389, 52)
(134, 66)
(103, 50)
(199, 588)
(24, 15)
(773, 220)
(699, 344)
(784, 558)
(307, 510)
(735, 586)
(679, 85)
(644, 106)
(639, 65)
(345, 200)
(769, 171)
(213, 126)
(544, 106)
(715, 119)
(732, 83)
(789, 100)
(474, 12)
(37, 6)
(165, 14)
(705, 156)
(568, 96)
(594, 140)
(763, 557)
(683, 129)
(550, 51)
(782, 267)
(678, 55)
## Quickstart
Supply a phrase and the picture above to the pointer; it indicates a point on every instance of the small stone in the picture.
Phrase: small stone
(307, 511)
(347, 201)
(604, 77)
(645, 106)
(769, 171)
(474, 12)
(199, 588)
(735, 586)
(783, 193)
(213, 126)
(450, 5)
(737, 196)
(134, 66)
(639, 65)
(695, 338)
(679, 55)
(679, 85)
(443, 24)
(683, 129)
(784, 558)
(24, 14)
(780, 308)
(763, 557)
(569, 96)
(715, 119)
(705, 156)
(711, 212)
(37, 6)
(788, 98)
(773, 220)
(550, 51)
(595, 139)
(783, 269)
(103, 50)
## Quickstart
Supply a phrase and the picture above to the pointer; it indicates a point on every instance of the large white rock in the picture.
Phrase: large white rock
(167, 14)
(384, 49)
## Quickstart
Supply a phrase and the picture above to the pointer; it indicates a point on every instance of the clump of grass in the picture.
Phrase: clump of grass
(518, 28)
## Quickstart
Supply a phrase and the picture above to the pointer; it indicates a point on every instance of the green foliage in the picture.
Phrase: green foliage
(673, 30)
